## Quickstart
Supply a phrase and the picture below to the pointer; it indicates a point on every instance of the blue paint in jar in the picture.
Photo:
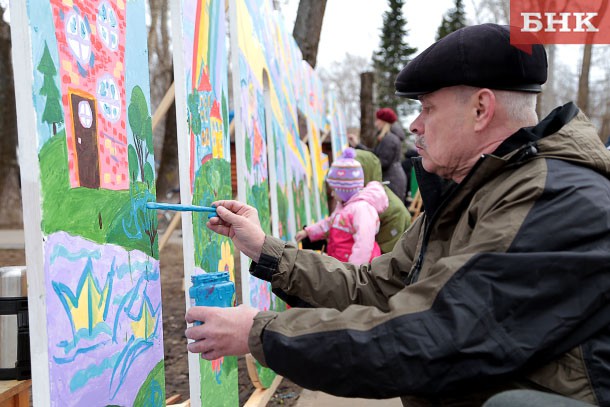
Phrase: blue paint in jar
(212, 290)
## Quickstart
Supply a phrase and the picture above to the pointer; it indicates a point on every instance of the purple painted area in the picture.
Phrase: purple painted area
(82, 363)
(260, 294)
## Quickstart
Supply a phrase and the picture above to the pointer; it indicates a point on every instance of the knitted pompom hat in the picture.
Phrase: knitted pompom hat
(346, 176)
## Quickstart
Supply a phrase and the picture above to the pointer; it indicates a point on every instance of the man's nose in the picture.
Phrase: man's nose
(415, 126)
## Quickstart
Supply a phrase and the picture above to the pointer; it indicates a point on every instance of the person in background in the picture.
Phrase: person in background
(394, 220)
(350, 230)
(503, 283)
(354, 141)
(388, 149)
(407, 166)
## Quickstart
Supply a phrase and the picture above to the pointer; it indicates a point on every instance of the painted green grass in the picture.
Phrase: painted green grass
(96, 214)
(152, 392)
(212, 182)
(225, 393)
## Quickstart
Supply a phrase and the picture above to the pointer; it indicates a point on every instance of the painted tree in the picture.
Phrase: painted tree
(53, 113)
(141, 127)
(392, 56)
(194, 117)
(453, 20)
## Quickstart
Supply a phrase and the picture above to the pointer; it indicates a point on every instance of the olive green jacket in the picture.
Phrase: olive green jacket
(396, 218)
(503, 283)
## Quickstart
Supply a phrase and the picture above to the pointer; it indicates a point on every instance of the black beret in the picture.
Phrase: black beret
(479, 56)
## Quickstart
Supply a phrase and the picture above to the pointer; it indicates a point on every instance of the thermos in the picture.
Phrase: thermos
(14, 325)
(212, 290)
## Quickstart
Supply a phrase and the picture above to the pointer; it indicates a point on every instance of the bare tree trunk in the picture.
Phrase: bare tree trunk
(604, 134)
(155, 10)
(583, 80)
(167, 178)
(367, 109)
(11, 215)
(604, 108)
(161, 78)
(548, 98)
(497, 10)
(307, 28)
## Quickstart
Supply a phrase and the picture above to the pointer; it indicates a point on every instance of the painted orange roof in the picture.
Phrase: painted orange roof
(215, 112)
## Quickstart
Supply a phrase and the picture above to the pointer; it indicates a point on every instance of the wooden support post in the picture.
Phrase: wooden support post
(252, 372)
(170, 229)
(164, 106)
(162, 109)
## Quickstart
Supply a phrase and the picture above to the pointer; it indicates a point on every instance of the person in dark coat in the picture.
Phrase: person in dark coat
(501, 284)
(388, 149)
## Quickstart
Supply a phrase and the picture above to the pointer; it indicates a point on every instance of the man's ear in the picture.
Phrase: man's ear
(485, 107)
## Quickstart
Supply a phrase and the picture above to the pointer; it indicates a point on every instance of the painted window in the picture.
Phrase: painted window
(107, 26)
(85, 115)
(108, 98)
(78, 37)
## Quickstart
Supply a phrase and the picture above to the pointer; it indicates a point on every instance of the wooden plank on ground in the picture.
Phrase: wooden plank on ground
(261, 397)
(173, 399)
(252, 372)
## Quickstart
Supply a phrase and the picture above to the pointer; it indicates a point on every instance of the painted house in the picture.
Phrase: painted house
(92, 64)
(206, 99)
(217, 133)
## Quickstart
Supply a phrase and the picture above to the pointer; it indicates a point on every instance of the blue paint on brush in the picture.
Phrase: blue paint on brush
(182, 208)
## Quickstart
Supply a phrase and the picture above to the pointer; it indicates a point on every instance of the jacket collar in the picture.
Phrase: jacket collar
(551, 124)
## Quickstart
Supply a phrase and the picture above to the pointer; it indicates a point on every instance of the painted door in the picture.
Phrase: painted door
(85, 138)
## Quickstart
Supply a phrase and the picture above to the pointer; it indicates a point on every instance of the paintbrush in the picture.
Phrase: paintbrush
(181, 207)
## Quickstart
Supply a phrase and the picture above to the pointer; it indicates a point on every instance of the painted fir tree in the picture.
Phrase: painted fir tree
(453, 20)
(53, 113)
(392, 56)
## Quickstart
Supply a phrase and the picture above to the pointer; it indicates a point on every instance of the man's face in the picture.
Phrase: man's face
(444, 131)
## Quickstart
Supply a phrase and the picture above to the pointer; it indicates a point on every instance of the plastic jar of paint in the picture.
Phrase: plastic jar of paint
(212, 290)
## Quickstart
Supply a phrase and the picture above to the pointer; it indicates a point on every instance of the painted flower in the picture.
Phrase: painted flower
(226, 262)
(257, 154)
(217, 368)
(260, 296)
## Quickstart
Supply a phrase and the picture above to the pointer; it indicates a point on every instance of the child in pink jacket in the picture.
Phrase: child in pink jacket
(351, 228)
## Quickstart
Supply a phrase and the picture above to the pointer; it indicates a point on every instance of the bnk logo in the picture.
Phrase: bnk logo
(559, 22)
